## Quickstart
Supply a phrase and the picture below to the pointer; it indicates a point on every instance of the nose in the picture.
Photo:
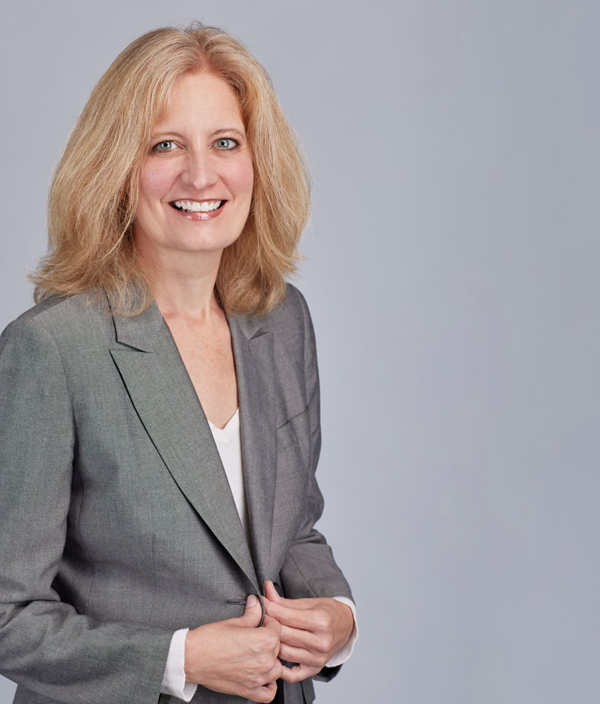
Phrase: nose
(199, 171)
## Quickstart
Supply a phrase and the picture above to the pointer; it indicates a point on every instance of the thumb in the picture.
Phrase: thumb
(253, 614)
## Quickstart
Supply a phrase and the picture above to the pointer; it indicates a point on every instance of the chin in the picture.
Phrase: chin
(206, 244)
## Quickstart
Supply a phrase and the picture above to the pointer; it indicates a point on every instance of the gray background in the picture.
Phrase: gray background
(452, 278)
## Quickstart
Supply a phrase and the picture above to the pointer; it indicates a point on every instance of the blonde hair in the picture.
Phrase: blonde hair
(94, 192)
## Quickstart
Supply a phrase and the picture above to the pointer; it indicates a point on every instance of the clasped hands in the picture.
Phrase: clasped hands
(237, 657)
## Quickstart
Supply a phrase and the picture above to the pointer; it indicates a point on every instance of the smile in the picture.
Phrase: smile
(198, 210)
(194, 206)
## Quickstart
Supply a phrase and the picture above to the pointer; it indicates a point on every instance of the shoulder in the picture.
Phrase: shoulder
(292, 314)
(61, 318)
(292, 326)
(290, 321)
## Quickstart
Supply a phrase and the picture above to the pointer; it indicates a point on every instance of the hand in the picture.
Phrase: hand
(312, 631)
(236, 656)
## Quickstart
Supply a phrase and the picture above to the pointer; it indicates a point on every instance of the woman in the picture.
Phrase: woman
(159, 419)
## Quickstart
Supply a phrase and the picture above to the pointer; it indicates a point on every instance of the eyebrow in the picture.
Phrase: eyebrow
(176, 134)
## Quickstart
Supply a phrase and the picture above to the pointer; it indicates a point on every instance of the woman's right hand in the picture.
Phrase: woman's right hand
(236, 656)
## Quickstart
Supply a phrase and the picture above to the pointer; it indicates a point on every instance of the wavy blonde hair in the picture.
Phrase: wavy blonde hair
(94, 191)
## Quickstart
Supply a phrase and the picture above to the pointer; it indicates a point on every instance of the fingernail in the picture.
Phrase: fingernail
(252, 600)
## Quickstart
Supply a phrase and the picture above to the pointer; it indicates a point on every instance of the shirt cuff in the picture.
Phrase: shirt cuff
(174, 682)
(346, 651)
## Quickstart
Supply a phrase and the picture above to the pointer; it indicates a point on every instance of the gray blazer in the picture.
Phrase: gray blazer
(118, 523)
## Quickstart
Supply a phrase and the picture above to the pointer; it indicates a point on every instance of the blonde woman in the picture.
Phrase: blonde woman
(159, 417)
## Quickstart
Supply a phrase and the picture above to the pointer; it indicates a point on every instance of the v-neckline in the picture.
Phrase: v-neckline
(229, 422)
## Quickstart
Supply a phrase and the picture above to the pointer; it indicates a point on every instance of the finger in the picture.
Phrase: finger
(269, 619)
(274, 673)
(272, 593)
(271, 690)
(299, 638)
(308, 603)
(271, 687)
(272, 624)
(299, 672)
(299, 655)
(266, 693)
(296, 618)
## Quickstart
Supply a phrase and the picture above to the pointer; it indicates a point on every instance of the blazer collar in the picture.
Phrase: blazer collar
(141, 331)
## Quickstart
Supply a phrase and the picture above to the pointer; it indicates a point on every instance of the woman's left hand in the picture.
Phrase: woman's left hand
(312, 631)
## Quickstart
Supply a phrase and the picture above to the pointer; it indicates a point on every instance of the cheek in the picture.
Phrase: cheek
(243, 176)
(155, 181)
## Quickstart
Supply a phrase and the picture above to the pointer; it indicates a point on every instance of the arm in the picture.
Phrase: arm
(310, 569)
(45, 644)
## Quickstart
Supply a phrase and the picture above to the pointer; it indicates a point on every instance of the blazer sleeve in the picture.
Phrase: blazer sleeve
(310, 569)
(45, 644)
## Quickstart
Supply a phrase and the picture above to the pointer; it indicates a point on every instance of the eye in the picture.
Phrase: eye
(227, 140)
(159, 147)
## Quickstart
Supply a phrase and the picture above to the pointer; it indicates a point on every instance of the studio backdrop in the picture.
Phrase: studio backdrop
(451, 273)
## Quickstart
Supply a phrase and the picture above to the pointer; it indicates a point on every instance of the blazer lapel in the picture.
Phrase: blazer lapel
(168, 406)
(255, 368)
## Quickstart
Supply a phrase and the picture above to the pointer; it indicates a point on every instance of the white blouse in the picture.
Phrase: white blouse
(229, 446)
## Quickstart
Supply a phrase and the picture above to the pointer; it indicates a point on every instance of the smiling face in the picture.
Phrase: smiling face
(198, 158)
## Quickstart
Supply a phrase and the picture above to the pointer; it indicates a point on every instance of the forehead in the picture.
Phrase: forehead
(199, 99)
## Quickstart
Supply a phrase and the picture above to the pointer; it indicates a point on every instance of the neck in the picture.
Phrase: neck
(183, 284)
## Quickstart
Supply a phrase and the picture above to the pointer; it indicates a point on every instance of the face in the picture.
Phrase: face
(198, 158)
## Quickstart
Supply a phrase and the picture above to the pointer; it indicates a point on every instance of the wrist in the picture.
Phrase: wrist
(186, 656)
(349, 613)
(192, 656)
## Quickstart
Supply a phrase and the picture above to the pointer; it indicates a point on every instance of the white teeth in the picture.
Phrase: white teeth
(196, 207)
